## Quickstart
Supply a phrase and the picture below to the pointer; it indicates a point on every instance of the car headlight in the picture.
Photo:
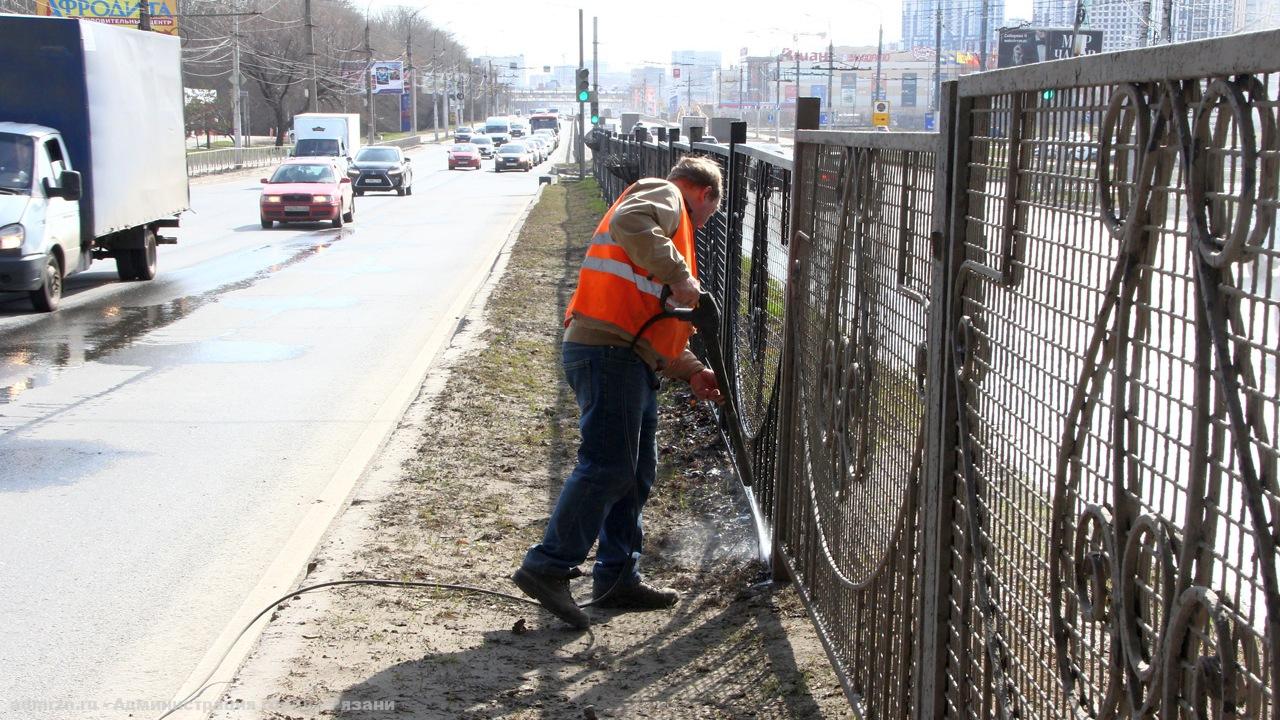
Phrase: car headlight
(270, 198)
(11, 236)
(353, 171)
(396, 171)
(321, 198)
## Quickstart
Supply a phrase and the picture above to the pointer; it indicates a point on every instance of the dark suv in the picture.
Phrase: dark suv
(381, 167)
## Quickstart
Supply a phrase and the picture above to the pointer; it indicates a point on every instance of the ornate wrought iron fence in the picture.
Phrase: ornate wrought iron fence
(1014, 388)
(1111, 511)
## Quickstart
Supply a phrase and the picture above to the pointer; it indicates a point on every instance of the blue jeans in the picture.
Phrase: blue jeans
(617, 464)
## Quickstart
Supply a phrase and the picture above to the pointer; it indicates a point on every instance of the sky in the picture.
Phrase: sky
(633, 33)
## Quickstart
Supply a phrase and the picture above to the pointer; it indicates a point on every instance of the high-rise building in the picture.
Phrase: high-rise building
(961, 24)
(697, 70)
(1127, 24)
(1252, 15)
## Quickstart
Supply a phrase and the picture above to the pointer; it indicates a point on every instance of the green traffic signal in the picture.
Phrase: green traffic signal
(595, 119)
(584, 95)
(1048, 94)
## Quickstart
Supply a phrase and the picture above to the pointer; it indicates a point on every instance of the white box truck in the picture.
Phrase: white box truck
(327, 135)
(92, 150)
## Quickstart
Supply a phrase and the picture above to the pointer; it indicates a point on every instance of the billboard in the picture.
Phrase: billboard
(1023, 46)
(909, 89)
(387, 77)
(164, 13)
(848, 88)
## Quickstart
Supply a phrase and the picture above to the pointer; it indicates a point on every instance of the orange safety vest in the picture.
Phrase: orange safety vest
(615, 290)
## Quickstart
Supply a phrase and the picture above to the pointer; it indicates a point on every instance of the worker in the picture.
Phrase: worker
(613, 353)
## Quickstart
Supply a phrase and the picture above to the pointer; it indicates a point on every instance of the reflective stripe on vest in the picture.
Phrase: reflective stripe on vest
(615, 290)
(624, 271)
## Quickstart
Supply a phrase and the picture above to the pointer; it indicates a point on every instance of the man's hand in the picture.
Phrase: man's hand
(686, 292)
(705, 386)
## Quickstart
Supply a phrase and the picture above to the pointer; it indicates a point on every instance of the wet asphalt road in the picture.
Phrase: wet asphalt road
(161, 440)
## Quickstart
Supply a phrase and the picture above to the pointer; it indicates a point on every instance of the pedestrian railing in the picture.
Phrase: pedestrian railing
(1013, 388)
(208, 162)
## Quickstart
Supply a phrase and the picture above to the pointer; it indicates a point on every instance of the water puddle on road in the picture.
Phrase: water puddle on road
(80, 336)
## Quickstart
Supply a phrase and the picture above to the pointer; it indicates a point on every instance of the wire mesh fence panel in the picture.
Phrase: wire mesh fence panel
(754, 308)
(1116, 338)
(857, 411)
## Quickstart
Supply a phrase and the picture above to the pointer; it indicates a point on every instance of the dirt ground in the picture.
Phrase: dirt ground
(465, 486)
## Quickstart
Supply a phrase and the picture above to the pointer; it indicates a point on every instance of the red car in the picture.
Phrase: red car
(307, 190)
(464, 155)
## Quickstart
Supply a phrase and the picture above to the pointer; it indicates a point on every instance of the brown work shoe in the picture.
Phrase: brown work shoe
(641, 596)
(553, 594)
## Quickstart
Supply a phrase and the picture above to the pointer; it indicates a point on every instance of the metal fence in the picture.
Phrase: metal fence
(1013, 388)
(208, 162)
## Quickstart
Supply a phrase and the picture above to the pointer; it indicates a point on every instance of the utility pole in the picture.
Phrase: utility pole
(368, 82)
(411, 72)
(982, 43)
(313, 101)
(595, 68)
(777, 98)
(879, 57)
(235, 88)
(582, 145)
(435, 88)
(1075, 29)
(797, 76)
(742, 110)
(937, 62)
(831, 71)
(1166, 23)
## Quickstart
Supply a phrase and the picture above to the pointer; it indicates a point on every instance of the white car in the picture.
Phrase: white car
(549, 136)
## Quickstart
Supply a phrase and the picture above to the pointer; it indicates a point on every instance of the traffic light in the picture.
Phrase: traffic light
(584, 84)
(595, 111)
(1048, 95)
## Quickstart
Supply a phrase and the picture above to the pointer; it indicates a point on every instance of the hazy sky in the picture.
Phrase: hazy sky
(546, 31)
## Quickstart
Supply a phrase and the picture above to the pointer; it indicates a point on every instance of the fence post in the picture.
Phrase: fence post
(734, 191)
(807, 110)
(938, 473)
(673, 137)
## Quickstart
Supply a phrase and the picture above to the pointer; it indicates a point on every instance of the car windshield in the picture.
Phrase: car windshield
(378, 155)
(303, 174)
(481, 140)
(496, 129)
(511, 149)
(316, 147)
(17, 153)
(463, 148)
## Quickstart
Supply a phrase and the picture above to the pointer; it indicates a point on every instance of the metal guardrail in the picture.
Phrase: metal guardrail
(1013, 389)
(208, 162)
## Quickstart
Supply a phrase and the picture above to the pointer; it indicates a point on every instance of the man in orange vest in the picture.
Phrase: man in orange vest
(614, 348)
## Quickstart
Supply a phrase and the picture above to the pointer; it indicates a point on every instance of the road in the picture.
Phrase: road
(164, 440)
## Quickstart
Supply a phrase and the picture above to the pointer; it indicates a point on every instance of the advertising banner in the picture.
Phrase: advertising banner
(1024, 46)
(848, 88)
(909, 81)
(387, 77)
(164, 13)
(406, 112)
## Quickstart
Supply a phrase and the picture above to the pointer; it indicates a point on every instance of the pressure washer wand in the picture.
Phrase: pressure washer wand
(706, 318)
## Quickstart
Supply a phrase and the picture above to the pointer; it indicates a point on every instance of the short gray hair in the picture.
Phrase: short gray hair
(699, 171)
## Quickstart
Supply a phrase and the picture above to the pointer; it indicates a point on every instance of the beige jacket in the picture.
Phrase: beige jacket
(643, 225)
